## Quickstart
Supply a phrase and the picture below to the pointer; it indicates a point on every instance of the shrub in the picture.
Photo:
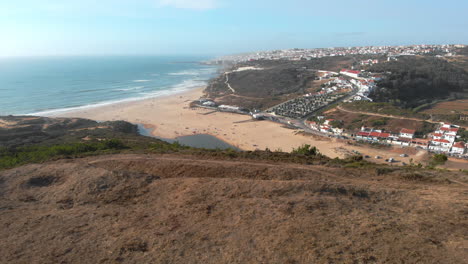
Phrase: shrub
(114, 144)
(307, 150)
(439, 159)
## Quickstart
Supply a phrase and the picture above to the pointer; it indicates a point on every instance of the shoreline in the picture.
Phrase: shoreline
(74, 109)
(170, 117)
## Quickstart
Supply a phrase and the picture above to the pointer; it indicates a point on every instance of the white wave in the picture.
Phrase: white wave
(130, 88)
(139, 81)
(194, 72)
(181, 73)
(175, 89)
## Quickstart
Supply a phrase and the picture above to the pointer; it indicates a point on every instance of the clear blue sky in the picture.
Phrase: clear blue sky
(215, 27)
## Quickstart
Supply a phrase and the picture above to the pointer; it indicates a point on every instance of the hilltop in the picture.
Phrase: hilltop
(186, 209)
(105, 196)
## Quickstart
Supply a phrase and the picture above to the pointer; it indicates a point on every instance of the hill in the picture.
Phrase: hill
(414, 81)
(265, 83)
(100, 193)
(187, 209)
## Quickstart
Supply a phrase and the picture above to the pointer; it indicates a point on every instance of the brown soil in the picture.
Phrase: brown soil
(356, 119)
(450, 107)
(176, 209)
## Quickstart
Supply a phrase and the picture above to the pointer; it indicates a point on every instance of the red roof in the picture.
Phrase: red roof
(364, 134)
(460, 144)
(449, 129)
(420, 140)
(350, 71)
(407, 131)
(441, 140)
(384, 135)
(404, 139)
(437, 135)
(379, 135)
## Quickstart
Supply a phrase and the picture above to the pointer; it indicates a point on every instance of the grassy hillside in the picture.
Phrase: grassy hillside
(414, 81)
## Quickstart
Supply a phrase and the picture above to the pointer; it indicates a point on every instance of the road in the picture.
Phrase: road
(227, 83)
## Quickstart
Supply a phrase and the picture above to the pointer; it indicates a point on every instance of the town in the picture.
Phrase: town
(349, 85)
(307, 54)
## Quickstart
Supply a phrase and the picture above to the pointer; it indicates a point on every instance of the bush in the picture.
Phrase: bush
(307, 150)
(114, 144)
(379, 122)
(18, 156)
(439, 159)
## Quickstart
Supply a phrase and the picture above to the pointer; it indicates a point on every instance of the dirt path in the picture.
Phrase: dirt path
(390, 116)
(383, 115)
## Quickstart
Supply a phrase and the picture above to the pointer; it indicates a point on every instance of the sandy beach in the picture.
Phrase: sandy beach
(171, 117)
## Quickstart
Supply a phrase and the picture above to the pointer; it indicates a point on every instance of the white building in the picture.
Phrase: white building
(350, 73)
(458, 148)
(407, 133)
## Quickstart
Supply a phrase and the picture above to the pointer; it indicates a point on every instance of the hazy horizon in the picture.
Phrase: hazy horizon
(33, 28)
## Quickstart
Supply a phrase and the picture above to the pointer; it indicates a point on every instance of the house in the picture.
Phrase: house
(421, 143)
(337, 131)
(363, 135)
(325, 128)
(449, 130)
(350, 73)
(328, 121)
(313, 125)
(378, 135)
(402, 141)
(407, 133)
(458, 148)
(437, 136)
(441, 145)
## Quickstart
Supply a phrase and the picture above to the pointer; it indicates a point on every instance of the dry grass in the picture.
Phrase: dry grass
(450, 107)
(173, 209)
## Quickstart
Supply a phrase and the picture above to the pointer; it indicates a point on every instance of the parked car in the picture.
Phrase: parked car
(403, 155)
(378, 157)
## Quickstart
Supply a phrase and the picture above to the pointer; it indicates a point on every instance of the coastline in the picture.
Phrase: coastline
(169, 116)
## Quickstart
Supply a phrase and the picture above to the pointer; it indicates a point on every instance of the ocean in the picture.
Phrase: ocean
(43, 86)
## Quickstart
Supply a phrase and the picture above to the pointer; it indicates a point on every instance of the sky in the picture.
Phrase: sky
(220, 27)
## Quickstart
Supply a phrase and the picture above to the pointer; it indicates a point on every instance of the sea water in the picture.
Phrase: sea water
(43, 86)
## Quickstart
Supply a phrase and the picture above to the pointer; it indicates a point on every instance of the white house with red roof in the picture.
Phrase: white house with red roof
(350, 73)
(441, 145)
(437, 136)
(450, 131)
(407, 133)
(459, 148)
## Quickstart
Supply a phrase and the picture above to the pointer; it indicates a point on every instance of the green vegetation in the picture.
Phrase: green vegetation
(380, 122)
(463, 133)
(438, 159)
(307, 150)
(11, 157)
(336, 123)
(416, 81)
(425, 129)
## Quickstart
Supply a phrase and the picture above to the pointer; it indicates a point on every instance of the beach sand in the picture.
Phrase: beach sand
(171, 117)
